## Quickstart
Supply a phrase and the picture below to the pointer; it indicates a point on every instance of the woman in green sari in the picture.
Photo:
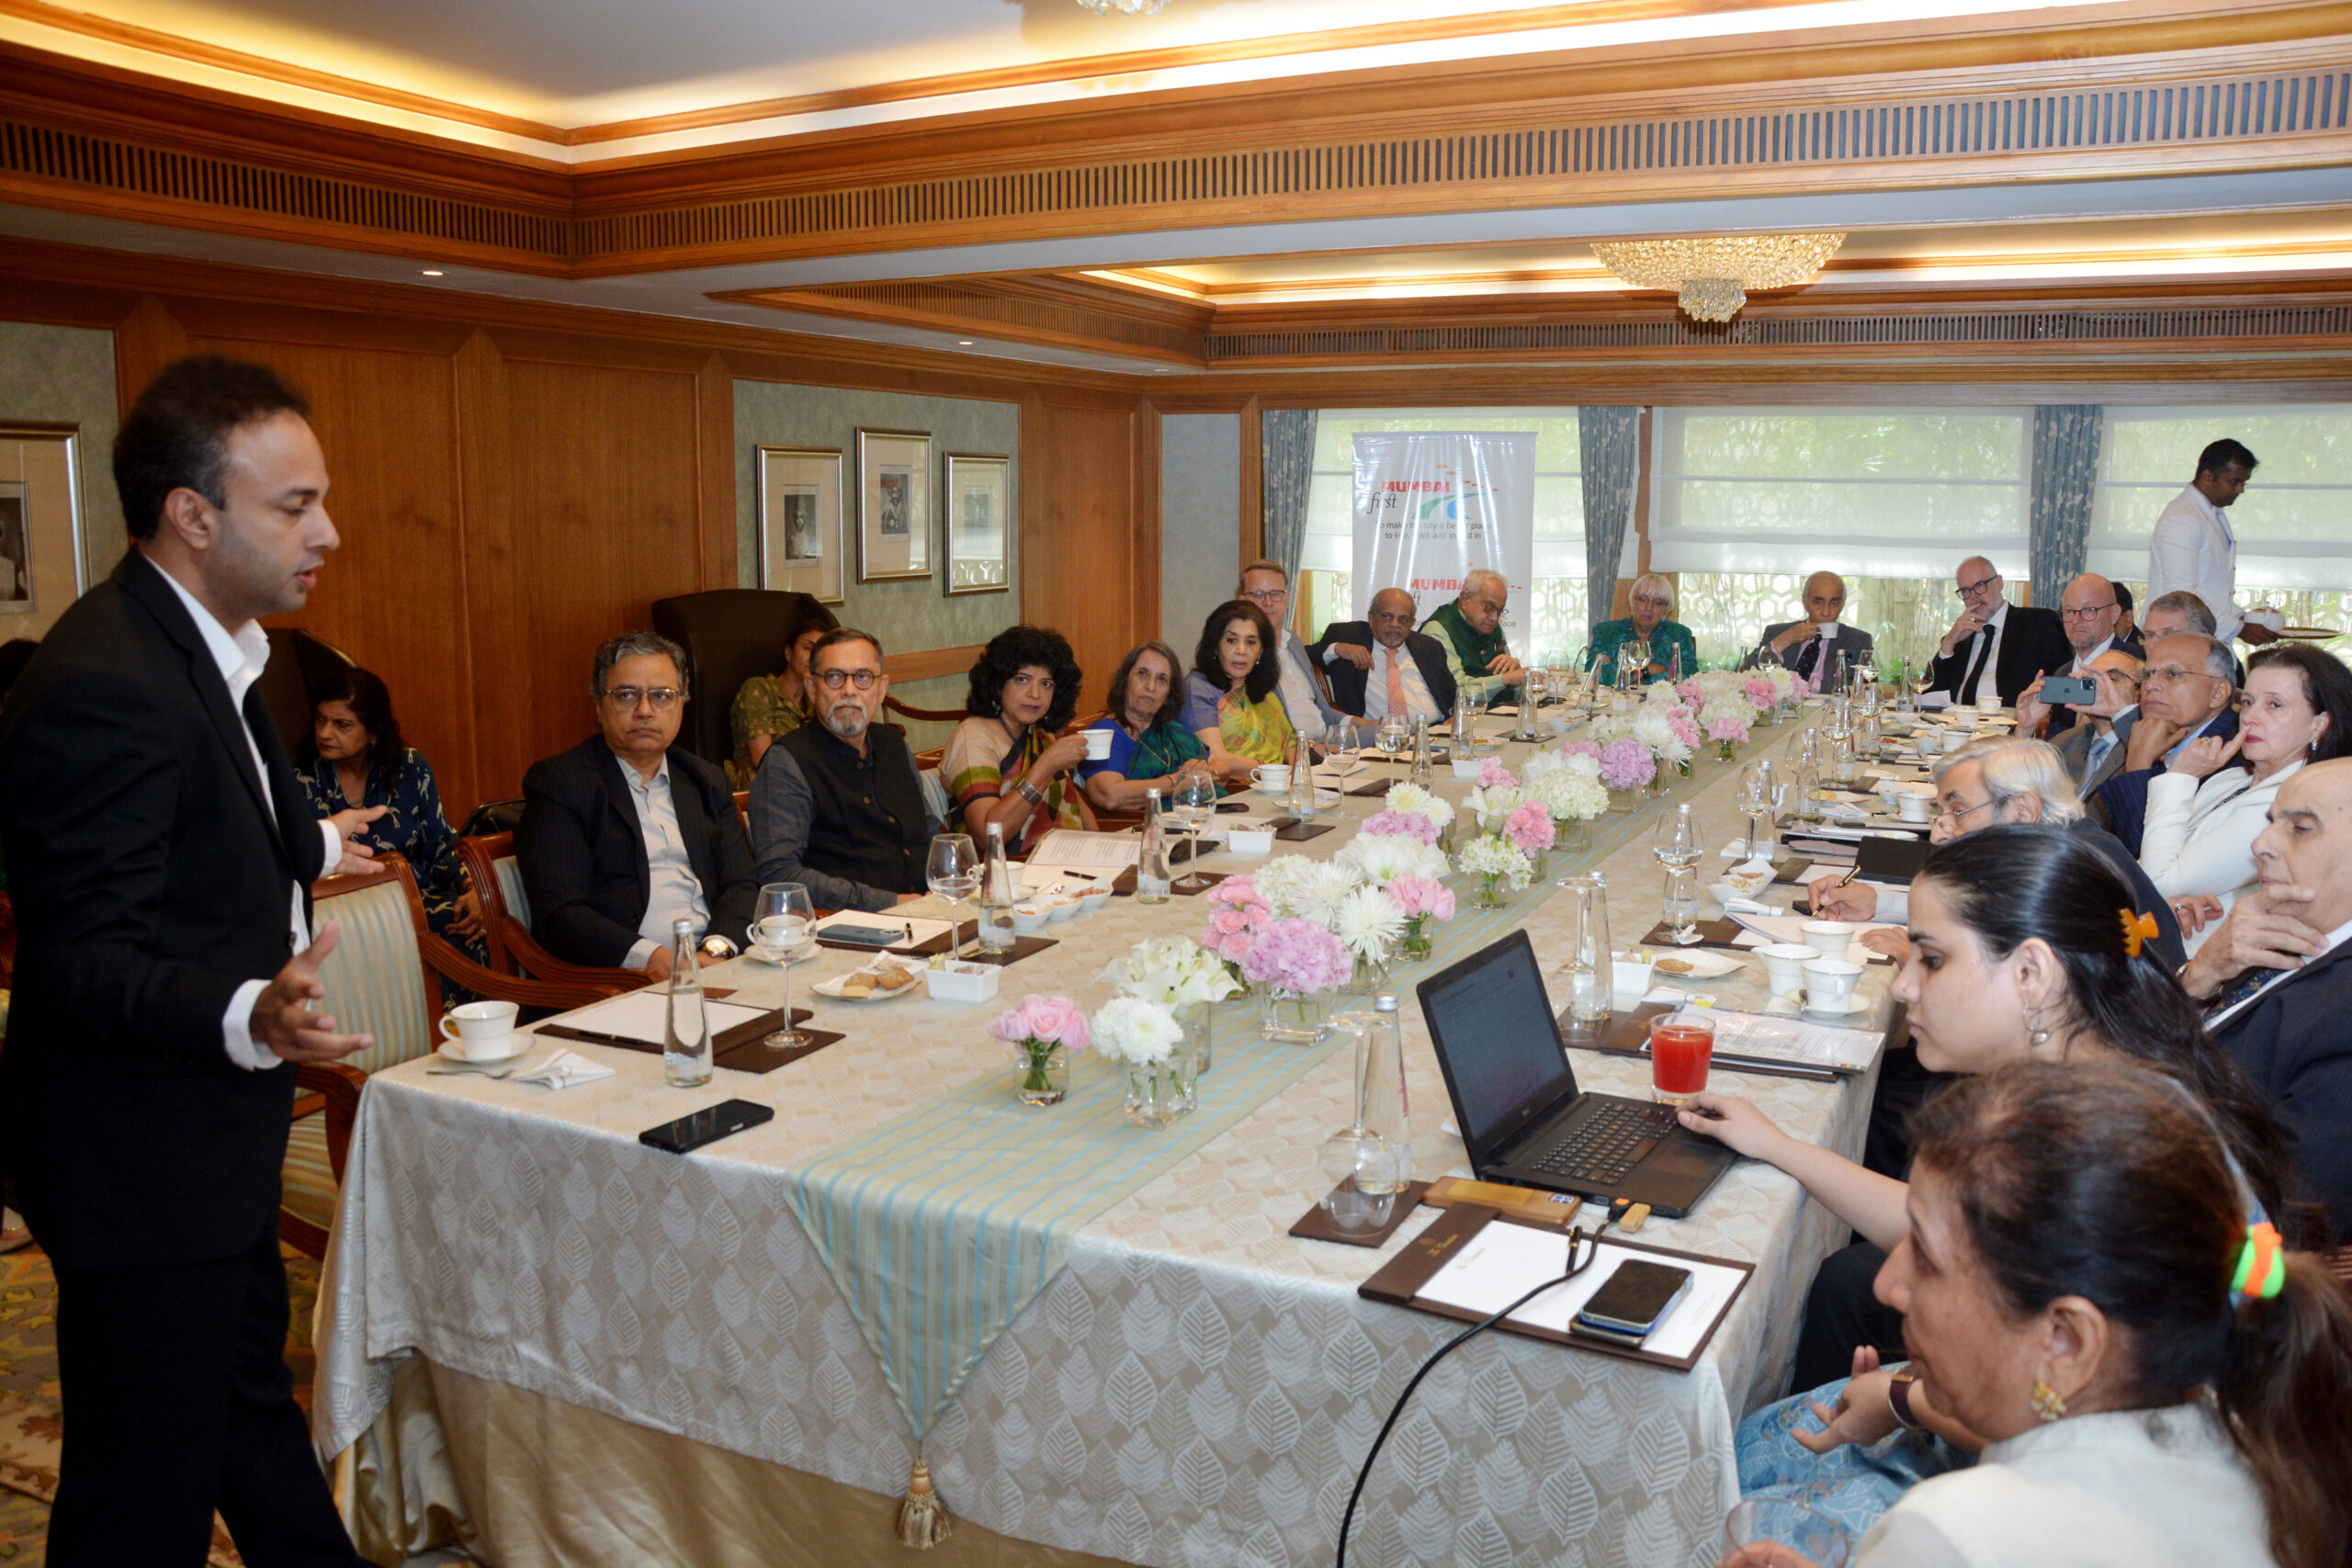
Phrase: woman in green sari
(1150, 748)
(1233, 697)
(1652, 600)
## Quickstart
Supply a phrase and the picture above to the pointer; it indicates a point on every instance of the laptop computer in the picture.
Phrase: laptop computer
(1517, 1104)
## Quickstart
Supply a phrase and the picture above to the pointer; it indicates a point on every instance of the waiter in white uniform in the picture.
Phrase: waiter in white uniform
(2193, 549)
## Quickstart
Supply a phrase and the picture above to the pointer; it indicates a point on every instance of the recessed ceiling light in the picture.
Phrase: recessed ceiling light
(963, 343)
(1159, 369)
(432, 272)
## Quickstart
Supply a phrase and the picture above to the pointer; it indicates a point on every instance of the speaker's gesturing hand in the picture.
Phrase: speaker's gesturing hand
(283, 1021)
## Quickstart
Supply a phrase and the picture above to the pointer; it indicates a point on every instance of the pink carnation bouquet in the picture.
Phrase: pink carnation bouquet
(1580, 748)
(1036, 1027)
(1529, 828)
(1685, 727)
(1403, 824)
(1492, 774)
(1236, 916)
(1424, 900)
(1727, 729)
(1627, 764)
(1759, 692)
(1298, 956)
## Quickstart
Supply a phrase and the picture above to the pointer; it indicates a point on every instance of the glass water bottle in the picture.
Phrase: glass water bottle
(1591, 966)
(999, 892)
(1152, 872)
(686, 1058)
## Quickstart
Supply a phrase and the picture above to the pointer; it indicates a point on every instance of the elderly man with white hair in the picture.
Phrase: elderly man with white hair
(2001, 779)
(1470, 629)
(1818, 647)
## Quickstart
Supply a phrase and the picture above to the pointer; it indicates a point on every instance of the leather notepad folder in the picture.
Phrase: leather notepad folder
(1399, 1283)
(743, 1047)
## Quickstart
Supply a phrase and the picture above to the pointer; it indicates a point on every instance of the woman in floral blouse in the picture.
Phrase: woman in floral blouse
(767, 706)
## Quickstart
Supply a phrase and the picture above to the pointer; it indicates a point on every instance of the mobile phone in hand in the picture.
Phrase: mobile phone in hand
(2073, 689)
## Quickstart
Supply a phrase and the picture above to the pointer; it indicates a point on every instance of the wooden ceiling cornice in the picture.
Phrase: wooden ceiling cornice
(2156, 87)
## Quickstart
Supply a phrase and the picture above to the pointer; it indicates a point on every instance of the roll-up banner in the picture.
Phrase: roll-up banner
(1432, 505)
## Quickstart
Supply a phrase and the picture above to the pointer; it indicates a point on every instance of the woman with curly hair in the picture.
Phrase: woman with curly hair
(1003, 764)
(1233, 697)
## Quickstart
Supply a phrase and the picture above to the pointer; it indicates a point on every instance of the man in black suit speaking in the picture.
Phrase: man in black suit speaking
(160, 854)
(1996, 645)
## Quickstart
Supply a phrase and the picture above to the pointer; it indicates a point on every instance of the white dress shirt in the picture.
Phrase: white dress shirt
(240, 656)
(1990, 673)
(1419, 703)
(672, 892)
(2193, 549)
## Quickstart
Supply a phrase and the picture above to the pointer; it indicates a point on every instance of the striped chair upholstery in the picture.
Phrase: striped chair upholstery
(375, 984)
(510, 887)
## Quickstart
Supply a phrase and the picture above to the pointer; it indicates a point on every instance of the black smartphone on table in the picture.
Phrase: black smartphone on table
(1634, 1301)
(706, 1126)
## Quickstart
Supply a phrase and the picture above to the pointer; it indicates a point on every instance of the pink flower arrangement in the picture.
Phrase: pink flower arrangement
(1298, 956)
(1529, 828)
(1691, 692)
(1050, 1020)
(1420, 896)
(1685, 727)
(1491, 774)
(1404, 824)
(1759, 692)
(1626, 764)
(1727, 729)
(1236, 916)
(1580, 748)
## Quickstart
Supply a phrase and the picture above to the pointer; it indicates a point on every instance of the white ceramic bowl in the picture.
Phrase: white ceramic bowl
(1095, 899)
(964, 982)
(1030, 918)
(1251, 840)
(1063, 908)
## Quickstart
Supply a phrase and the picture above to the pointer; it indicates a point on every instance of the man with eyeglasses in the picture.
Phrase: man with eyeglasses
(838, 806)
(1469, 628)
(627, 832)
(1306, 693)
(2187, 691)
(2095, 749)
(1995, 646)
(2193, 550)
(2090, 609)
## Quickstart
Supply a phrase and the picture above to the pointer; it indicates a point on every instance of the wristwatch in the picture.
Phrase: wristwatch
(1898, 1401)
(715, 946)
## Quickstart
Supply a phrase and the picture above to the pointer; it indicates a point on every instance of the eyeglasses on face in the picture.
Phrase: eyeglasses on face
(835, 680)
(2169, 673)
(1267, 595)
(2086, 612)
(1654, 601)
(1955, 816)
(1968, 590)
(625, 698)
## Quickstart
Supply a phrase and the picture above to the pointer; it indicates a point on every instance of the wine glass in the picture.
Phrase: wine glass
(955, 874)
(1390, 737)
(1675, 844)
(781, 922)
(1195, 802)
(1758, 786)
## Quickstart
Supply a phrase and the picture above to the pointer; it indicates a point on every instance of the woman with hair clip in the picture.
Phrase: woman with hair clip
(2095, 1294)
(2025, 946)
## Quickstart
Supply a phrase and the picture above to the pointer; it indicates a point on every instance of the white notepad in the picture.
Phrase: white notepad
(641, 1015)
(1505, 1261)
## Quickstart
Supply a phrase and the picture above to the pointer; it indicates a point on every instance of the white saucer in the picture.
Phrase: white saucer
(1853, 1005)
(456, 1050)
(833, 989)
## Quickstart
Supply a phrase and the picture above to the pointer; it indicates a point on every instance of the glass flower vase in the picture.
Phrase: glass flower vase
(1491, 893)
(1725, 753)
(1040, 1072)
(1158, 1094)
(1290, 1017)
(1368, 976)
(1198, 1023)
(1416, 943)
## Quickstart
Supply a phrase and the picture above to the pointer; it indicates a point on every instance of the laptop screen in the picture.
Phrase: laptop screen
(1493, 1029)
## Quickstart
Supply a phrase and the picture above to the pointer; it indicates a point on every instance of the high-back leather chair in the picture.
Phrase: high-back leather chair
(298, 664)
(729, 636)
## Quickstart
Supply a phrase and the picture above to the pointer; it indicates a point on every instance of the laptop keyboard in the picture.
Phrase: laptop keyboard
(1607, 1144)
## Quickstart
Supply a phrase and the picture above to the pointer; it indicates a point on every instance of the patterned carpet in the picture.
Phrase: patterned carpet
(29, 1424)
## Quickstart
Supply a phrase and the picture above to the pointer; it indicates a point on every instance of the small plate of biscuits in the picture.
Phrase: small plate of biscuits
(1694, 965)
(878, 982)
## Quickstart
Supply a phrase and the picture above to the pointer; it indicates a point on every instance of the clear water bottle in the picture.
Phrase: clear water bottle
(1302, 779)
(1424, 766)
(1152, 875)
(687, 1057)
(999, 892)
(1591, 966)
(1387, 1106)
(1460, 718)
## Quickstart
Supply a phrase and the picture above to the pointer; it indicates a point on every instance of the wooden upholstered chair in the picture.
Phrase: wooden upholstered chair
(506, 920)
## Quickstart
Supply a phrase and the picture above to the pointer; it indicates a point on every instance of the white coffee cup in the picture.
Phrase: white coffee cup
(1825, 628)
(1785, 964)
(1915, 808)
(1271, 776)
(1098, 744)
(1829, 984)
(2270, 620)
(1833, 937)
(480, 1029)
(1989, 705)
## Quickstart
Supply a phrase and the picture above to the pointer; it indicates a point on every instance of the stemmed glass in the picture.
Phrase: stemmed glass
(1195, 801)
(1758, 786)
(1390, 737)
(1675, 844)
(781, 922)
(955, 874)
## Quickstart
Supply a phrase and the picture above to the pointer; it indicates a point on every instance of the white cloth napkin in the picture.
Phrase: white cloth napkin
(563, 1069)
(1748, 907)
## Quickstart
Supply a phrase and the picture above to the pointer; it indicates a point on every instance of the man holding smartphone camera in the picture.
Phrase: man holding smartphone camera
(2090, 611)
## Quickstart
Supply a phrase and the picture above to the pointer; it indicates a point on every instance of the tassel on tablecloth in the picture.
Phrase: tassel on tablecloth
(922, 1518)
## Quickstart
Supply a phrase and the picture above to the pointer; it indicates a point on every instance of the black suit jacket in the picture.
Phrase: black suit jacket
(150, 882)
(1852, 644)
(1347, 681)
(2169, 949)
(2033, 642)
(582, 854)
(2291, 1041)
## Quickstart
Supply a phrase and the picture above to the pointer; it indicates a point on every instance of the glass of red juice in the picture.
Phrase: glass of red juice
(1681, 1047)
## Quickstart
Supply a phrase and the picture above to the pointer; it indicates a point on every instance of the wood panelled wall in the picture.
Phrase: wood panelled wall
(508, 495)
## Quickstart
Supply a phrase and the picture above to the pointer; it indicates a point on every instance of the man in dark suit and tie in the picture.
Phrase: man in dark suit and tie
(1819, 648)
(160, 854)
(1382, 665)
(1995, 646)
(2276, 977)
(627, 833)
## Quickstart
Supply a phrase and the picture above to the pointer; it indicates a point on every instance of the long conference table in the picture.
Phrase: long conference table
(546, 1342)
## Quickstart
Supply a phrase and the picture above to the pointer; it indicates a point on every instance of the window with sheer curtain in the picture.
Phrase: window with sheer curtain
(1747, 503)
(1555, 617)
(2293, 523)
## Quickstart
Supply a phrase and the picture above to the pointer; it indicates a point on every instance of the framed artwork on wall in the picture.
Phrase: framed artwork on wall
(40, 526)
(979, 524)
(893, 505)
(801, 543)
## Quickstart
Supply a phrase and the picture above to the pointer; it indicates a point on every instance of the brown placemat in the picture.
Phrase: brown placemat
(1023, 947)
(1290, 830)
(1712, 933)
(919, 949)
(1208, 879)
(1377, 786)
(739, 1047)
(1317, 1225)
(753, 1056)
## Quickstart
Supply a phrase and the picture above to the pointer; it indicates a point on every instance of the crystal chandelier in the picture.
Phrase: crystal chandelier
(1713, 275)
(1125, 7)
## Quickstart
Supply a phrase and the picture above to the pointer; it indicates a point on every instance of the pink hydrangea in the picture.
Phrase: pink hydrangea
(1235, 917)
(1759, 692)
(1727, 729)
(1626, 764)
(1403, 824)
(1053, 1019)
(1691, 691)
(1299, 956)
(1685, 727)
(1419, 896)
(1529, 828)
(1580, 748)
(1492, 774)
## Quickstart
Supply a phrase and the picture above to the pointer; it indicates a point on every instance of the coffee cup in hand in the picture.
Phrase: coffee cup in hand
(1098, 744)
